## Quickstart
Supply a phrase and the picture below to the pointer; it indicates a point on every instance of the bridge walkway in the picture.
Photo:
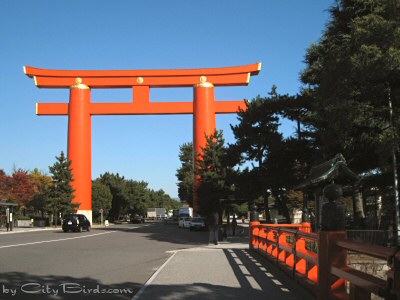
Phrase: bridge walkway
(224, 271)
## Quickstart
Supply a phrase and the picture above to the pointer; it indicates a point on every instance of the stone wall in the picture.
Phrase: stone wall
(370, 265)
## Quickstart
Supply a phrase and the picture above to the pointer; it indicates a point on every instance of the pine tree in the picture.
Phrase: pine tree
(213, 172)
(256, 134)
(185, 174)
(350, 74)
(60, 195)
(353, 75)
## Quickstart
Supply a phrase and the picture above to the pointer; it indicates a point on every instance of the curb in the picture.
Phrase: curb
(43, 229)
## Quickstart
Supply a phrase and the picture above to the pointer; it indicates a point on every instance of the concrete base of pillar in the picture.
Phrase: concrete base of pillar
(87, 213)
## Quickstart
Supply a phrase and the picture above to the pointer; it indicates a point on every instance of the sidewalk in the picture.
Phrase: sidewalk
(224, 271)
(3, 230)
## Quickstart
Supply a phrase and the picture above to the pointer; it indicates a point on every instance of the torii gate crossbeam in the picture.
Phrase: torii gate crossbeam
(80, 109)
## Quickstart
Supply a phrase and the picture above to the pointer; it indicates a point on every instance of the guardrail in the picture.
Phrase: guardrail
(319, 261)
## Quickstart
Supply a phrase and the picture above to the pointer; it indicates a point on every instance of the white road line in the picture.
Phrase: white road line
(59, 240)
(141, 291)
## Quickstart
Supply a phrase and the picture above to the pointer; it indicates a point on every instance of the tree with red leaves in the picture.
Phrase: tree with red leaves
(4, 185)
(22, 189)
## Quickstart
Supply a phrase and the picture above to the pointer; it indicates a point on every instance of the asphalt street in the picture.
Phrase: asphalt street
(105, 263)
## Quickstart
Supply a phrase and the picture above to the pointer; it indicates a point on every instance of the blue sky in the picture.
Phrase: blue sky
(151, 34)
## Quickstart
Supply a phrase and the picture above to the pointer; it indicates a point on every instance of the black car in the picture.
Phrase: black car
(75, 222)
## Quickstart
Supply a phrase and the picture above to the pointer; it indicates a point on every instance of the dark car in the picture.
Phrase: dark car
(75, 222)
(137, 219)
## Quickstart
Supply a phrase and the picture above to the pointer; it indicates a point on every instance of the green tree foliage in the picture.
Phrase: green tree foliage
(41, 183)
(256, 132)
(117, 186)
(256, 137)
(213, 171)
(350, 75)
(185, 174)
(277, 164)
(139, 196)
(130, 196)
(101, 199)
(60, 195)
(160, 199)
(117, 196)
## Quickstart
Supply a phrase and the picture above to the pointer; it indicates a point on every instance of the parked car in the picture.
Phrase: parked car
(184, 222)
(75, 222)
(197, 224)
(137, 219)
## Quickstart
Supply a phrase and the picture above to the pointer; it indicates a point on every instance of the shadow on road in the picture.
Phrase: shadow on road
(26, 286)
(197, 291)
(17, 285)
(269, 278)
(164, 232)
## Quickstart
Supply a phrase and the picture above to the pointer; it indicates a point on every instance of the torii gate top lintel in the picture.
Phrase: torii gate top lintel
(227, 76)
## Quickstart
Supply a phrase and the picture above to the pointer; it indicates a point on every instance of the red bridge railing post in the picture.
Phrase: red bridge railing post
(329, 256)
(253, 234)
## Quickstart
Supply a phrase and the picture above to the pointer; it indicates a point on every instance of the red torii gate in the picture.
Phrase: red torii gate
(80, 109)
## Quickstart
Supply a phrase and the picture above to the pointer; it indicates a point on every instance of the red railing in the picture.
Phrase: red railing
(319, 261)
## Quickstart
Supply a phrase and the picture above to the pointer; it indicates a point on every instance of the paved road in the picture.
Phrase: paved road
(107, 263)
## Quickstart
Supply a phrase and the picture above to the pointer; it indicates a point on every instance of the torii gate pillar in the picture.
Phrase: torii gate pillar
(80, 146)
(204, 122)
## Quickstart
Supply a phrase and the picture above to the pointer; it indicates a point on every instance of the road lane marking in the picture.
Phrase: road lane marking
(58, 240)
(141, 291)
